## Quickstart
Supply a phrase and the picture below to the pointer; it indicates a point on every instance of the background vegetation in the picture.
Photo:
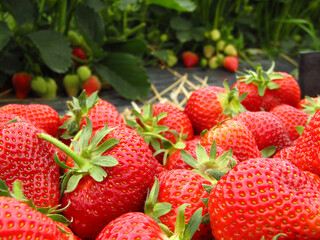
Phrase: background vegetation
(122, 37)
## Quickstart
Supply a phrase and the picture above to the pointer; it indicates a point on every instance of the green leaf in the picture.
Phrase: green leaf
(25, 11)
(300, 129)
(59, 218)
(5, 35)
(123, 72)
(10, 61)
(90, 23)
(110, 143)
(198, 33)
(180, 24)
(161, 209)
(54, 48)
(97, 173)
(105, 161)
(178, 5)
(193, 224)
(215, 173)
(272, 85)
(184, 36)
(268, 151)
(189, 159)
(134, 46)
(73, 182)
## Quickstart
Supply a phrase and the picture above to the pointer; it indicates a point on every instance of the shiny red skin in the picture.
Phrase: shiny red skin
(21, 84)
(43, 116)
(291, 117)
(179, 186)
(176, 120)
(25, 222)
(204, 108)
(287, 153)
(307, 155)
(266, 128)
(288, 93)
(190, 59)
(95, 204)
(132, 226)
(265, 197)
(26, 157)
(235, 135)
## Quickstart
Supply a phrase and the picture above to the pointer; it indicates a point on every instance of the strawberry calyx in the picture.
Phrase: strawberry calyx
(78, 108)
(182, 230)
(51, 212)
(148, 127)
(312, 106)
(262, 79)
(230, 101)
(86, 155)
(210, 166)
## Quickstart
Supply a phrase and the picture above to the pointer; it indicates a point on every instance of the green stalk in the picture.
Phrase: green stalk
(62, 15)
(217, 15)
(40, 10)
(81, 162)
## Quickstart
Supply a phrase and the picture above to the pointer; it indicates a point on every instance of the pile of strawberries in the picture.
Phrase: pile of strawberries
(239, 162)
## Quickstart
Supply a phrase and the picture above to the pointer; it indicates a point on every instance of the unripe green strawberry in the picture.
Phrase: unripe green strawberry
(172, 58)
(52, 88)
(84, 72)
(74, 38)
(215, 35)
(220, 45)
(203, 62)
(220, 57)
(230, 50)
(208, 50)
(214, 62)
(71, 83)
(39, 85)
(164, 37)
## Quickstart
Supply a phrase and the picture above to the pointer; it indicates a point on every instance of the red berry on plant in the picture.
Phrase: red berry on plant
(21, 84)
(190, 59)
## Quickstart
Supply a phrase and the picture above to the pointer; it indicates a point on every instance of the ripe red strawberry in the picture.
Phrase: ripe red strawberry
(21, 84)
(132, 225)
(287, 153)
(178, 187)
(91, 85)
(291, 118)
(20, 221)
(190, 59)
(26, 157)
(309, 104)
(307, 155)
(209, 105)
(262, 198)
(175, 120)
(111, 177)
(43, 116)
(231, 63)
(267, 129)
(235, 135)
(268, 89)
(98, 110)
(79, 55)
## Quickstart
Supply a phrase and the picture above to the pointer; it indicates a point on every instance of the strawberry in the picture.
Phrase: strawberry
(26, 157)
(287, 153)
(84, 72)
(230, 50)
(265, 197)
(41, 115)
(39, 85)
(208, 50)
(291, 118)
(266, 89)
(163, 126)
(215, 34)
(309, 104)
(79, 55)
(190, 59)
(99, 112)
(71, 83)
(52, 88)
(173, 189)
(108, 175)
(21, 84)
(235, 135)
(91, 85)
(209, 105)
(307, 147)
(20, 221)
(231, 63)
(132, 225)
(267, 129)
